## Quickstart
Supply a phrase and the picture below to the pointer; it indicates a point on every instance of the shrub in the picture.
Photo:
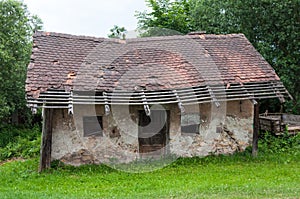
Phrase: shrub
(270, 143)
(19, 142)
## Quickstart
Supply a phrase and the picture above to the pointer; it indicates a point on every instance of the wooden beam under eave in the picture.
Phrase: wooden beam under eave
(46, 145)
(255, 130)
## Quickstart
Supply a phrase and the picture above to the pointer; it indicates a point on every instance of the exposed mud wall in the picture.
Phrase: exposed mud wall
(118, 143)
(222, 130)
(70, 146)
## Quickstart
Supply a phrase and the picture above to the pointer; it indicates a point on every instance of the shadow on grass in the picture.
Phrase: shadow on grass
(147, 165)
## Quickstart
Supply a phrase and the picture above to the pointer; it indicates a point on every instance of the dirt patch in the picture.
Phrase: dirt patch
(12, 160)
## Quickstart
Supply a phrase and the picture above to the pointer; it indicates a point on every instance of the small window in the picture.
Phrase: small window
(92, 125)
(190, 124)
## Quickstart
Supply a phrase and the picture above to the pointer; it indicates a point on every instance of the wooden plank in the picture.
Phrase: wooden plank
(46, 145)
(255, 130)
(291, 119)
(271, 122)
(293, 130)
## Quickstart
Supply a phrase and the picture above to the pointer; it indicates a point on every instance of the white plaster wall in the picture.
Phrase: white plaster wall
(236, 131)
(68, 142)
(120, 133)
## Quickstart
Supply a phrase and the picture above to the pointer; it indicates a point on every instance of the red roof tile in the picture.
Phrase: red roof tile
(65, 62)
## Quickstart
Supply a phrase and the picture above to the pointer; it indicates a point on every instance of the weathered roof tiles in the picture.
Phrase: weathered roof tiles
(66, 62)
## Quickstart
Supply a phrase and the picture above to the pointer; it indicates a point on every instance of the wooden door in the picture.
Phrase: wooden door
(153, 132)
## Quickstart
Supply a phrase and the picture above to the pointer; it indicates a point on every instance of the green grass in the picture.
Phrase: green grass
(236, 176)
(275, 173)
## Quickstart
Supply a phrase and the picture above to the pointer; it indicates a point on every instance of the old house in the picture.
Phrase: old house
(105, 99)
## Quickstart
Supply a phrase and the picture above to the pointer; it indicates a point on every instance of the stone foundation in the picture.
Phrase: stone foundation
(222, 130)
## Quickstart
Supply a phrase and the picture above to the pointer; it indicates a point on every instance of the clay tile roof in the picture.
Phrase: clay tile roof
(67, 62)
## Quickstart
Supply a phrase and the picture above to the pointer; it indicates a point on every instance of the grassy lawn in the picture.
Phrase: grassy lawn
(237, 176)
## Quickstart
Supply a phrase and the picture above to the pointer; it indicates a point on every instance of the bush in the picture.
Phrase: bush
(19, 142)
(10, 133)
(270, 143)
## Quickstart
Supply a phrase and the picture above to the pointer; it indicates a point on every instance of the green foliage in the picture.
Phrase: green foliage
(19, 142)
(17, 26)
(21, 148)
(277, 144)
(166, 18)
(272, 26)
(293, 106)
(117, 32)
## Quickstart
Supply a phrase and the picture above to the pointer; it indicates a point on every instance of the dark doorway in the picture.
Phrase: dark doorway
(153, 132)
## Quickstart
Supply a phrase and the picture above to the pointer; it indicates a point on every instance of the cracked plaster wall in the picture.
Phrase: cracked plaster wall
(223, 130)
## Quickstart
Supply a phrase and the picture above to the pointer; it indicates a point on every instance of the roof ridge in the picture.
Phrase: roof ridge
(219, 36)
(65, 35)
(139, 39)
(226, 35)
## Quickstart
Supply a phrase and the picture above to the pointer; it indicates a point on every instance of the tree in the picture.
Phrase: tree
(17, 27)
(117, 32)
(272, 26)
(166, 18)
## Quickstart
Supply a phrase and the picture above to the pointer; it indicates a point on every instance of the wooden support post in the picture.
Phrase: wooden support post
(46, 144)
(255, 130)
